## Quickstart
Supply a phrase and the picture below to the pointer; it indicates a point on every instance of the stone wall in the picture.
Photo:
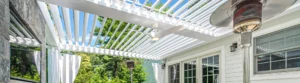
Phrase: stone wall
(29, 12)
(4, 44)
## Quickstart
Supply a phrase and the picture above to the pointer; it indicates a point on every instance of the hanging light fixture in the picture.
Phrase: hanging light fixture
(246, 16)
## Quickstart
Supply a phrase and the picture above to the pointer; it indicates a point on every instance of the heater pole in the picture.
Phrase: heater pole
(131, 75)
(246, 38)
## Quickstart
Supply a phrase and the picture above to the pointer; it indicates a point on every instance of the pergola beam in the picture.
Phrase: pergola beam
(101, 51)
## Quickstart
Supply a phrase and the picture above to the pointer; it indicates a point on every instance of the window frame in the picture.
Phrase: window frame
(169, 72)
(284, 50)
(182, 69)
(200, 66)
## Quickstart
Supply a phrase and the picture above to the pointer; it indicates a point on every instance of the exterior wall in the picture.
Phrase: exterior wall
(29, 13)
(4, 44)
(232, 62)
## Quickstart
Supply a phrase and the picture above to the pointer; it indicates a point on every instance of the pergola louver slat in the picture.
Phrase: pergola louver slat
(174, 6)
(165, 5)
(85, 26)
(100, 31)
(198, 4)
(76, 25)
(183, 7)
(134, 41)
(55, 13)
(113, 35)
(121, 43)
(163, 45)
(140, 43)
(46, 14)
(111, 25)
(20, 27)
(159, 43)
(180, 45)
(16, 30)
(128, 24)
(93, 30)
(66, 16)
(170, 45)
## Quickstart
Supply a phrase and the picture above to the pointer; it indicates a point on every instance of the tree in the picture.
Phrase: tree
(108, 69)
(111, 69)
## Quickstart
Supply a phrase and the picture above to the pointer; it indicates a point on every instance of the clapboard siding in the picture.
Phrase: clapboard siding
(233, 61)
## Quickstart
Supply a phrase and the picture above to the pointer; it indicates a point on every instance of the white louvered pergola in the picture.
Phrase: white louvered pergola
(72, 29)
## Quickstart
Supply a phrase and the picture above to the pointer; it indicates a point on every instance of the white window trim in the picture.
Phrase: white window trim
(275, 75)
(218, 50)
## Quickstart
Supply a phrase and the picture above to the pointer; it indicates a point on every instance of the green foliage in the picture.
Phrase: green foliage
(22, 63)
(108, 69)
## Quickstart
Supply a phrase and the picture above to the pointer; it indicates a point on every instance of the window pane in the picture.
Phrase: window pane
(210, 70)
(204, 69)
(293, 31)
(277, 36)
(293, 63)
(264, 66)
(216, 60)
(190, 80)
(210, 79)
(276, 44)
(278, 65)
(262, 39)
(263, 58)
(185, 74)
(262, 48)
(293, 41)
(194, 73)
(293, 54)
(190, 73)
(204, 80)
(277, 56)
(216, 71)
(210, 60)
(204, 61)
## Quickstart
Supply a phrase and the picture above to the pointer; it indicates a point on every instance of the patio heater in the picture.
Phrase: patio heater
(246, 16)
(130, 65)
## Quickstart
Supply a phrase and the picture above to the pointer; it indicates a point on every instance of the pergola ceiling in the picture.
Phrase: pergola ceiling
(124, 25)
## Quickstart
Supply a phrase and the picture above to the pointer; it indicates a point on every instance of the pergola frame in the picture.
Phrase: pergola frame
(194, 19)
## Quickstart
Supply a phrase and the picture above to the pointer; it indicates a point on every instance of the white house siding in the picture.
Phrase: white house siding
(233, 60)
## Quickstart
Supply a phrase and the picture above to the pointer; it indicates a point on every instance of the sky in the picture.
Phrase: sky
(91, 19)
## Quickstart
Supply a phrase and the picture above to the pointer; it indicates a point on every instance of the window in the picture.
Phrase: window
(174, 73)
(278, 51)
(190, 72)
(210, 69)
